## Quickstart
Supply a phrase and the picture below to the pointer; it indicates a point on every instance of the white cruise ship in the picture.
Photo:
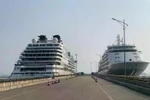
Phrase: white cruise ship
(44, 58)
(112, 61)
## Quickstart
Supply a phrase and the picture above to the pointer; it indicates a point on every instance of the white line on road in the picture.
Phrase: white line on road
(22, 93)
(105, 92)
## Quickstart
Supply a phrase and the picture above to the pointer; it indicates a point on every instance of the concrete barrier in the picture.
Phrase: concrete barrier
(18, 84)
(8, 85)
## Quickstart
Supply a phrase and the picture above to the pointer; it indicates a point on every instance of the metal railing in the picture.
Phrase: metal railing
(139, 84)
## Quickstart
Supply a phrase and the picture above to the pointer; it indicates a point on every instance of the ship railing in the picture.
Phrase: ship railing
(139, 84)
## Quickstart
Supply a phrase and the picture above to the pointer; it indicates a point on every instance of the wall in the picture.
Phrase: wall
(4, 86)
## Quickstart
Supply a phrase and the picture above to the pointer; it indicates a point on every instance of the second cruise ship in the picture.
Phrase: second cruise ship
(112, 61)
(44, 58)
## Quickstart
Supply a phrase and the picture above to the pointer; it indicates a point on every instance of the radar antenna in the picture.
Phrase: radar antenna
(33, 41)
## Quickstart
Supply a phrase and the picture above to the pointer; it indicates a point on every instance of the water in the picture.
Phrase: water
(3, 77)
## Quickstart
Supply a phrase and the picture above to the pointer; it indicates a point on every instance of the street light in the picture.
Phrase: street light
(124, 28)
(99, 60)
(91, 67)
(76, 62)
(99, 56)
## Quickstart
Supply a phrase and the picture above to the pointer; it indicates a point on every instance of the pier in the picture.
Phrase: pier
(77, 88)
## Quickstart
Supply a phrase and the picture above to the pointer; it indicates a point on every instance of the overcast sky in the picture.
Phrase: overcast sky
(85, 27)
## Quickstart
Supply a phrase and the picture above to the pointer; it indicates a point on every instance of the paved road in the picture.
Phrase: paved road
(80, 88)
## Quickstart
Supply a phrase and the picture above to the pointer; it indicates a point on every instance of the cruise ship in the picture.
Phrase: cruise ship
(112, 61)
(44, 57)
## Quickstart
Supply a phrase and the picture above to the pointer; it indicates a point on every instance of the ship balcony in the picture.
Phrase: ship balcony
(34, 47)
(21, 57)
(122, 48)
(39, 57)
(28, 61)
(49, 50)
(71, 67)
(23, 53)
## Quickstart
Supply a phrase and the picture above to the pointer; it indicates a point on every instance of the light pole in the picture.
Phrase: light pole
(91, 67)
(124, 28)
(76, 62)
(99, 61)
(95, 66)
(99, 56)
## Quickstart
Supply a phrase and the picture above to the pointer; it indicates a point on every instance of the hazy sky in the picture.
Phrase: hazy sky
(85, 27)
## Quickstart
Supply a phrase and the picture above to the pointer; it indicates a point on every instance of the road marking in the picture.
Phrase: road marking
(21, 93)
(105, 92)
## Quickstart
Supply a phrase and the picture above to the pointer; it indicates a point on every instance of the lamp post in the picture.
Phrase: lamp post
(91, 67)
(124, 28)
(99, 60)
(76, 62)
(99, 56)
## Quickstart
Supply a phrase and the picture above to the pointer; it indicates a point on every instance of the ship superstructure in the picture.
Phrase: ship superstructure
(44, 58)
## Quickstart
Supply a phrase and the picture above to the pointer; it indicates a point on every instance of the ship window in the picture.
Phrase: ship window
(29, 45)
(16, 73)
(130, 59)
(42, 45)
(35, 44)
(48, 73)
(116, 53)
(49, 45)
(136, 56)
(56, 44)
(134, 53)
(123, 51)
(50, 64)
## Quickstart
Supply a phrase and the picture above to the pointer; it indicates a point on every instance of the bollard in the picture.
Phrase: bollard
(95, 79)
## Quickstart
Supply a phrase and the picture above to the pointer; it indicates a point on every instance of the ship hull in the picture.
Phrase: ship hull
(48, 72)
(132, 68)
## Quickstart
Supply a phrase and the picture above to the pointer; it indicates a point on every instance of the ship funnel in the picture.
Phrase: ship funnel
(58, 37)
(42, 38)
